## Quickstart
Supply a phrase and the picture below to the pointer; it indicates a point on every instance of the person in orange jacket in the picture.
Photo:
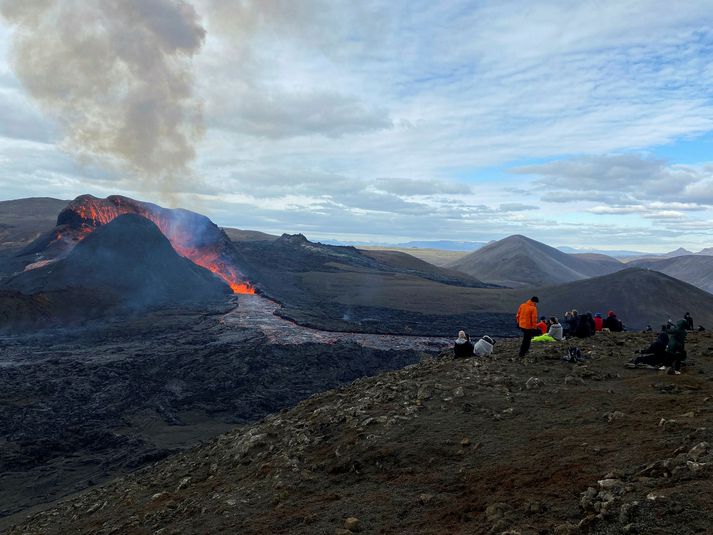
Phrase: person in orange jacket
(527, 322)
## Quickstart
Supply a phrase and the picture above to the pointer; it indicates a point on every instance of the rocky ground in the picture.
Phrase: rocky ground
(472, 446)
(80, 406)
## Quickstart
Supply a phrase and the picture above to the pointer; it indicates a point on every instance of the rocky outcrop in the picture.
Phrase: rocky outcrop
(445, 446)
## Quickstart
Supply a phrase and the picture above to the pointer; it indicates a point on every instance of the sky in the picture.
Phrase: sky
(587, 124)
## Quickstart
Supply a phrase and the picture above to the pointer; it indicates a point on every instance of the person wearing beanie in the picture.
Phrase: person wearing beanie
(526, 319)
(613, 323)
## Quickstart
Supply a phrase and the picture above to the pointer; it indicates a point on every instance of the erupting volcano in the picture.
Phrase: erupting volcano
(192, 235)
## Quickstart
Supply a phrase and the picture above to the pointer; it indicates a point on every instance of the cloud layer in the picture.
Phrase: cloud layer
(415, 119)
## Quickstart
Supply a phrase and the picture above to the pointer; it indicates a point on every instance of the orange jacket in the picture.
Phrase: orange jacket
(527, 315)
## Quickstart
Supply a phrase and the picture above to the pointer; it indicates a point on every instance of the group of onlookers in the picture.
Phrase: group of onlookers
(667, 351)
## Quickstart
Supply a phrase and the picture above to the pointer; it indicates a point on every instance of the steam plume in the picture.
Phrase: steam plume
(116, 76)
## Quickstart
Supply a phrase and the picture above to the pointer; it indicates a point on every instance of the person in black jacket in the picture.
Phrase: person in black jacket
(463, 348)
(655, 354)
(613, 323)
(585, 326)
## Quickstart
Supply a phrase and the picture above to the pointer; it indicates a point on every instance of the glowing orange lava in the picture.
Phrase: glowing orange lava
(174, 224)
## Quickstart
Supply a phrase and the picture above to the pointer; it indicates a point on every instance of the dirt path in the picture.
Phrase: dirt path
(257, 312)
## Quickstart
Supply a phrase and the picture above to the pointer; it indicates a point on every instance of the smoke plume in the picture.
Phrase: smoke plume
(115, 74)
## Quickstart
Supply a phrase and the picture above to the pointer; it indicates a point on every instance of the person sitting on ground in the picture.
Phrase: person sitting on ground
(585, 326)
(701, 328)
(676, 348)
(689, 321)
(655, 354)
(572, 322)
(484, 347)
(553, 335)
(556, 331)
(598, 322)
(565, 323)
(462, 348)
(613, 323)
(542, 325)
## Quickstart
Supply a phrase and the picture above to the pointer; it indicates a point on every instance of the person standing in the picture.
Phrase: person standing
(527, 322)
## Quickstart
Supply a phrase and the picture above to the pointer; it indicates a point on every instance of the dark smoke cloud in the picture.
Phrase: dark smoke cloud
(115, 74)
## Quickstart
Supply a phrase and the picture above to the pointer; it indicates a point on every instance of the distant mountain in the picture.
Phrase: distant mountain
(708, 251)
(443, 245)
(671, 254)
(615, 253)
(693, 269)
(639, 297)
(521, 261)
(446, 245)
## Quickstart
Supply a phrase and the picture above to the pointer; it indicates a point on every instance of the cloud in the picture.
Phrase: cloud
(115, 76)
(629, 182)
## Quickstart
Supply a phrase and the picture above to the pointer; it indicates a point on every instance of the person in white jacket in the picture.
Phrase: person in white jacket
(556, 330)
(484, 347)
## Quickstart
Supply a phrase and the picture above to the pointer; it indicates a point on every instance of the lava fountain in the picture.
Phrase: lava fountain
(192, 235)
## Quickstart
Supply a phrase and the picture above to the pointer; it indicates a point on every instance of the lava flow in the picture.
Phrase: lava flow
(192, 235)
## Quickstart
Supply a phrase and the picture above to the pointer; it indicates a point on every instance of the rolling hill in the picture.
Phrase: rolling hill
(693, 269)
(519, 261)
(640, 297)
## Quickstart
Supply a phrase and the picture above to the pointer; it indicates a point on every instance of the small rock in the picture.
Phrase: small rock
(695, 467)
(689, 414)
(352, 524)
(458, 392)
(342, 531)
(610, 483)
(573, 380)
(424, 392)
(184, 483)
(566, 529)
(465, 442)
(425, 498)
(158, 495)
(496, 511)
(698, 451)
(613, 416)
(533, 382)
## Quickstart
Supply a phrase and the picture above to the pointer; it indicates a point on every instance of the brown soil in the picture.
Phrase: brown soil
(442, 447)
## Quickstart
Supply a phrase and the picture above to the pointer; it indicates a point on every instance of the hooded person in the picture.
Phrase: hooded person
(526, 319)
(613, 323)
(484, 347)
(676, 348)
(655, 354)
(542, 325)
(462, 348)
